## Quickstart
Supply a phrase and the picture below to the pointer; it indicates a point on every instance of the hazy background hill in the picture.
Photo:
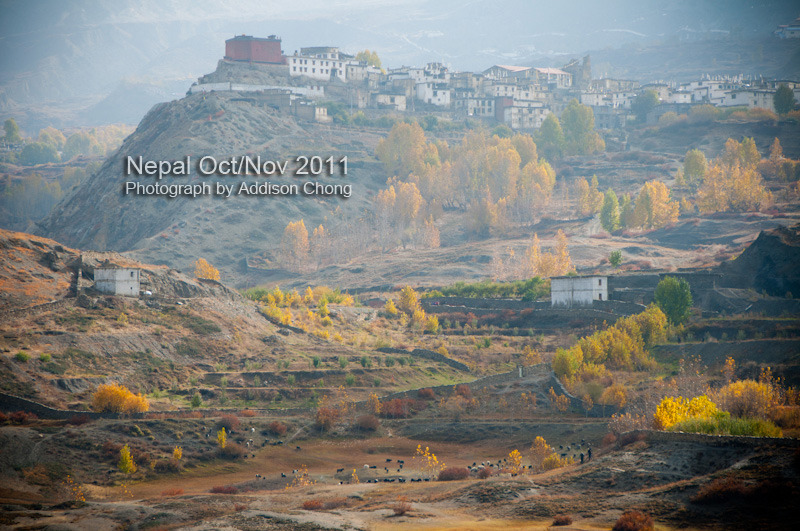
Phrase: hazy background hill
(88, 63)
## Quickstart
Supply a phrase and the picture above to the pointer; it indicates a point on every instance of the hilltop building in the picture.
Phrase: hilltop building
(247, 48)
(115, 280)
(578, 290)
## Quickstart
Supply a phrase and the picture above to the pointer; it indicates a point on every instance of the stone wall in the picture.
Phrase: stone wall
(716, 440)
(14, 403)
(426, 354)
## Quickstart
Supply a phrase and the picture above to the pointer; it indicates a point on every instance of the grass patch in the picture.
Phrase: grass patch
(729, 426)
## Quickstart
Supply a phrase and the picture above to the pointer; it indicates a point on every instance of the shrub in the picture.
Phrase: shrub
(464, 390)
(326, 417)
(21, 417)
(224, 489)
(335, 503)
(426, 393)
(249, 413)
(22, 356)
(452, 473)
(197, 400)
(44, 357)
(402, 507)
(747, 398)
(78, 420)
(553, 461)
(725, 425)
(484, 473)
(312, 505)
(118, 399)
(172, 492)
(350, 380)
(232, 451)
(398, 408)
(368, 423)
(229, 422)
(562, 519)
(277, 427)
(164, 466)
(634, 521)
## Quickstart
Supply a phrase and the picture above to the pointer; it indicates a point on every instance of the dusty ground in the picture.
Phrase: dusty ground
(660, 478)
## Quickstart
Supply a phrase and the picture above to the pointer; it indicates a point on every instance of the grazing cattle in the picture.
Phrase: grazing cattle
(401, 461)
(283, 475)
(366, 466)
(374, 466)
(338, 470)
(388, 460)
(297, 448)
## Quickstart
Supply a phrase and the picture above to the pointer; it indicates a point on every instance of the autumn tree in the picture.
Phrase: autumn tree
(539, 451)
(295, 246)
(202, 269)
(126, 464)
(371, 58)
(546, 264)
(732, 188)
(590, 199)
(405, 150)
(409, 300)
(654, 207)
(674, 297)
(609, 213)
(783, 100)
(116, 398)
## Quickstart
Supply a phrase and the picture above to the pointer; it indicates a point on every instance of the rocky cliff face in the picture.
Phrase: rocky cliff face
(769, 264)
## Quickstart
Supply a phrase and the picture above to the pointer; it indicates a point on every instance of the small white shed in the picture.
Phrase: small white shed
(578, 290)
(116, 280)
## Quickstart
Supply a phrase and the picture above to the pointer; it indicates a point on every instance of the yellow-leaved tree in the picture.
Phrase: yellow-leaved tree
(202, 269)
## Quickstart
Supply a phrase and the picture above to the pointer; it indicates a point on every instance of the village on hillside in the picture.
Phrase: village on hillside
(520, 97)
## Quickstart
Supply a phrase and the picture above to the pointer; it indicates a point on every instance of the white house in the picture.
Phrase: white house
(578, 290)
(110, 278)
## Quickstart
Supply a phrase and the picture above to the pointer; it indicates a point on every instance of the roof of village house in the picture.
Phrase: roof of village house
(107, 264)
(511, 68)
(547, 70)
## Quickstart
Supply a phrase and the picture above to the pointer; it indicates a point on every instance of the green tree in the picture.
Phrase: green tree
(783, 100)
(12, 130)
(674, 297)
(197, 400)
(54, 137)
(644, 103)
(38, 153)
(609, 214)
(615, 258)
(695, 165)
(577, 122)
(551, 138)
